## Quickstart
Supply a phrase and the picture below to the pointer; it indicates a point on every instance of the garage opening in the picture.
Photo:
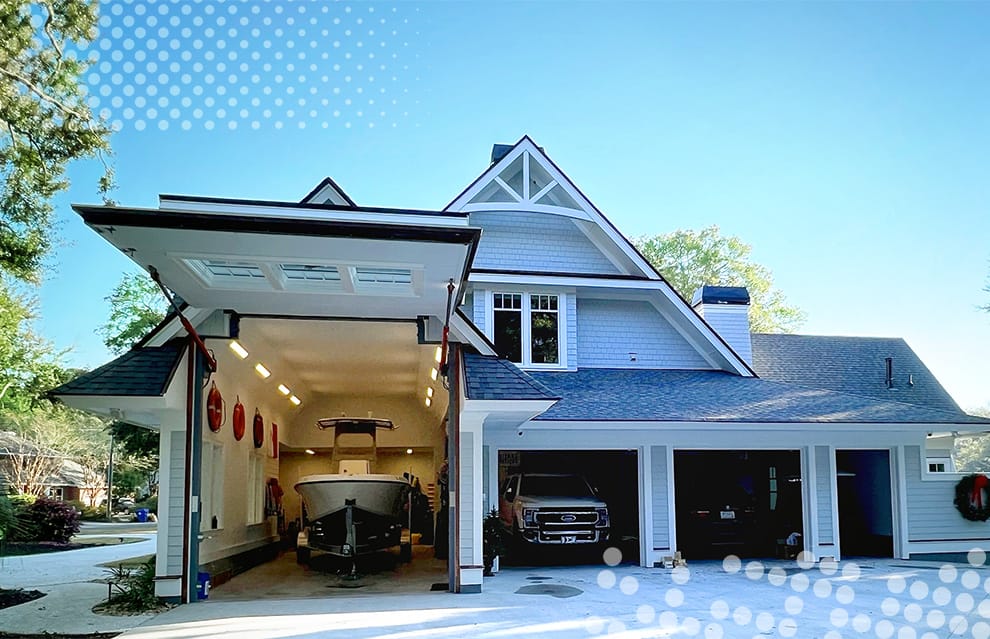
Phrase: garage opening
(378, 373)
(866, 521)
(746, 503)
(567, 507)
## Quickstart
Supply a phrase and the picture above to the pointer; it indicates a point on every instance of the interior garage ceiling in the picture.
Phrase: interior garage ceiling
(344, 357)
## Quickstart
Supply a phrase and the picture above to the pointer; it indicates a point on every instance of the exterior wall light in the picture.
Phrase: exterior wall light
(238, 349)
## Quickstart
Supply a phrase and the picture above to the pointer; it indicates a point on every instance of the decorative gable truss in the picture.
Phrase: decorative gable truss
(524, 180)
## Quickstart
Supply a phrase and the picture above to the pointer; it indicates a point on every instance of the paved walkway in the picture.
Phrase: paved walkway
(880, 598)
(68, 579)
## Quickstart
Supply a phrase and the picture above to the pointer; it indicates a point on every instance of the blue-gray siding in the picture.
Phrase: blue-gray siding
(478, 317)
(543, 242)
(823, 494)
(176, 501)
(931, 514)
(608, 330)
(659, 476)
(467, 513)
(572, 332)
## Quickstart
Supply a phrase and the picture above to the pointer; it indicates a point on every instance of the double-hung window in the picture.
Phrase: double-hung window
(527, 328)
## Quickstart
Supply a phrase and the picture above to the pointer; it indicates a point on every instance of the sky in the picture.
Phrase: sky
(845, 142)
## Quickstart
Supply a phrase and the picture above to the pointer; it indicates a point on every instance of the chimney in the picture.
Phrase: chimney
(726, 309)
(499, 151)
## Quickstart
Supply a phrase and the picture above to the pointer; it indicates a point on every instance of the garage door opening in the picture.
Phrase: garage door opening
(746, 503)
(866, 521)
(355, 369)
(566, 507)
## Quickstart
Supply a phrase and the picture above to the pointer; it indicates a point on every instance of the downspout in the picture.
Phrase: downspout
(193, 467)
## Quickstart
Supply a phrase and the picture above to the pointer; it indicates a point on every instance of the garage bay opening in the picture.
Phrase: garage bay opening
(866, 522)
(566, 507)
(745, 503)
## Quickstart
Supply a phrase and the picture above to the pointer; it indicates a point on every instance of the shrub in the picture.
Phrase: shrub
(45, 519)
(88, 513)
(151, 503)
(135, 587)
(7, 517)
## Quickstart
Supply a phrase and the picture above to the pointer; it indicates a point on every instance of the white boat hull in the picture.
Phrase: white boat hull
(377, 494)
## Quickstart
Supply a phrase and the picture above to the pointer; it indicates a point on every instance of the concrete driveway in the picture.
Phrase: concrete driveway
(869, 598)
(69, 580)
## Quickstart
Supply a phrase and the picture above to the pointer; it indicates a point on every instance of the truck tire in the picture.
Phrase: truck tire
(302, 555)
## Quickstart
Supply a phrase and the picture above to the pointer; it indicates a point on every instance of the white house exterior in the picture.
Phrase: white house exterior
(568, 351)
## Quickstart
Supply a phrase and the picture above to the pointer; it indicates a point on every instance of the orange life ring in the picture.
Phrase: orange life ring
(215, 409)
(238, 419)
(274, 440)
(259, 429)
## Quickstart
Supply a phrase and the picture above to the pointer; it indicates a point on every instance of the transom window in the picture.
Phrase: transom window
(310, 272)
(526, 328)
(232, 268)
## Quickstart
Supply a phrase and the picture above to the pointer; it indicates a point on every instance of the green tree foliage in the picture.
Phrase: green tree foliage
(136, 306)
(972, 452)
(690, 259)
(45, 122)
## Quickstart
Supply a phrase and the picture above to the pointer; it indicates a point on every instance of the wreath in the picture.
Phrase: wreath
(971, 499)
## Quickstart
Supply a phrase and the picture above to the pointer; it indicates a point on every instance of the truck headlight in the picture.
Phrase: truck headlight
(529, 517)
(602, 516)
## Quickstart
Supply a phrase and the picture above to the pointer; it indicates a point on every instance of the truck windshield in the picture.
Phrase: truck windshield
(555, 486)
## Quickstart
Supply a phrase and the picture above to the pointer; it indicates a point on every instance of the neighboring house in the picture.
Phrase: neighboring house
(568, 353)
(26, 467)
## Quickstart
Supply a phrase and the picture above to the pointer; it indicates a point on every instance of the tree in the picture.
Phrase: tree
(691, 259)
(45, 122)
(972, 452)
(136, 306)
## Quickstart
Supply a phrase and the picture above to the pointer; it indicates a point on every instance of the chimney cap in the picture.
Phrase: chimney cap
(499, 151)
(737, 295)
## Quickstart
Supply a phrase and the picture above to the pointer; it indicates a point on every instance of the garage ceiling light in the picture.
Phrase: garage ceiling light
(237, 348)
(428, 402)
(409, 451)
(310, 451)
(282, 388)
(437, 355)
(433, 374)
(295, 400)
(264, 372)
(429, 391)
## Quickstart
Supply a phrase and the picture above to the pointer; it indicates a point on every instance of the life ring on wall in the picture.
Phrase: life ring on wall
(215, 413)
(973, 497)
(238, 419)
(259, 429)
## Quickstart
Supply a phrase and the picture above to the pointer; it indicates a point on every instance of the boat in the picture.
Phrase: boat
(354, 511)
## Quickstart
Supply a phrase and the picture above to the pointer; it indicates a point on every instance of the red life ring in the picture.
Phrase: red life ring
(238, 419)
(274, 440)
(215, 409)
(259, 429)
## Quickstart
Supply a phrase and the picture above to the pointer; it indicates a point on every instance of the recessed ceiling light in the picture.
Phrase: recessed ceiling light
(264, 372)
(409, 451)
(237, 348)
(310, 451)
(295, 400)
(437, 355)
(433, 374)
(282, 388)
(428, 402)
(429, 391)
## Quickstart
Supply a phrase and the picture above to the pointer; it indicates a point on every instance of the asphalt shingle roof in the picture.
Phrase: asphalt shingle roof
(850, 365)
(142, 372)
(492, 378)
(715, 396)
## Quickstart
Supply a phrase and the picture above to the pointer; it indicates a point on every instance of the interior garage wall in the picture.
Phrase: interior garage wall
(417, 425)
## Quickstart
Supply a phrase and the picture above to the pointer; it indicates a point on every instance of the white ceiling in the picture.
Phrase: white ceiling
(343, 357)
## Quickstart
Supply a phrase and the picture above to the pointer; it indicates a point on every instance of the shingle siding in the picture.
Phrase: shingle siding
(176, 501)
(823, 494)
(468, 511)
(659, 476)
(731, 322)
(608, 330)
(521, 241)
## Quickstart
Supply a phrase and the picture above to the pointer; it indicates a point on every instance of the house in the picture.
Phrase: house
(567, 352)
(27, 467)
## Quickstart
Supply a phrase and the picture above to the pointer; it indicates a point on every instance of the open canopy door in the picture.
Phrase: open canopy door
(295, 260)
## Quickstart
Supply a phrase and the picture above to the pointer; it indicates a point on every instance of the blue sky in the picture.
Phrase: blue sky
(846, 142)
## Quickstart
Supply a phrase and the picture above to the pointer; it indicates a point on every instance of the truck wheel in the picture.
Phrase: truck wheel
(302, 555)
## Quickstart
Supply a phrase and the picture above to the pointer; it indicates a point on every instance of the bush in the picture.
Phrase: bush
(7, 517)
(135, 587)
(44, 519)
(151, 503)
(88, 513)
